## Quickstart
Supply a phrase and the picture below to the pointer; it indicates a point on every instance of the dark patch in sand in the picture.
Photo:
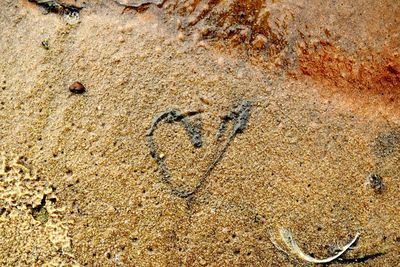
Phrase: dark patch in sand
(52, 6)
(386, 144)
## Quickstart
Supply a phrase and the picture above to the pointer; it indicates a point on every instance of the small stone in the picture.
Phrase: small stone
(196, 37)
(245, 33)
(205, 31)
(192, 20)
(181, 36)
(220, 61)
(203, 44)
(202, 262)
(240, 74)
(375, 182)
(40, 214)
(179, 23)
(205, 100)
(45, 44)
(260, 42)
(77, 88)
(129, 28)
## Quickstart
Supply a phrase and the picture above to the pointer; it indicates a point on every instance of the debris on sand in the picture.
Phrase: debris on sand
(287, 237)
(77, 88)
(69, 12)
(374, 181)
(53, 6)
(138, 3)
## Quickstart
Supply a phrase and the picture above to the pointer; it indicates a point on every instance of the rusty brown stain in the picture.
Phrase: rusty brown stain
(230, 26)
(368, 73)
(295, 47)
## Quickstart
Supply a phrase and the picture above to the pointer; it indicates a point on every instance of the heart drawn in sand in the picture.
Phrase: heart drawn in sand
(239, 116)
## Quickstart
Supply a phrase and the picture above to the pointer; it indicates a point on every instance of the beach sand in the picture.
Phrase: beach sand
(79, 186)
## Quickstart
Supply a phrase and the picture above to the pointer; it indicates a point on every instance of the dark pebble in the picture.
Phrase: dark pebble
(375, 182)
(77, 88)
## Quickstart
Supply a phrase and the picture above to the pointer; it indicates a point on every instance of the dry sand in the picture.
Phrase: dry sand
(78, 185)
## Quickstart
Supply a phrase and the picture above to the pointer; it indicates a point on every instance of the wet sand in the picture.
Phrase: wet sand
(79, 185)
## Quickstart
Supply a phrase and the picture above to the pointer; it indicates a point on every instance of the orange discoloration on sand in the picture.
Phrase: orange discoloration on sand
(361, 76)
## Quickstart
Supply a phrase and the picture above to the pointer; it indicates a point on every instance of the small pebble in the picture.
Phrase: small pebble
(203, 44)
(205, 100)
(204, 31)
(260, 42)
(77, 88)
(120, 29)
(375, 182)
(196, 37)
(181, 36)
(220, 61)
(129, 28)
(178, 23)
(45, 44)
(121, 39)
(240, 74)
(202, 262)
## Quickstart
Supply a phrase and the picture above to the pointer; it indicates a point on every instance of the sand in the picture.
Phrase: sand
(79, 186)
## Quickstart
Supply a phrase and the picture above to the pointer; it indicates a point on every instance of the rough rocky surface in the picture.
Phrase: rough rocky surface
(78, 182)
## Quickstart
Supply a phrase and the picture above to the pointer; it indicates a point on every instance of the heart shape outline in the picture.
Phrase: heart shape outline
(239, 116)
